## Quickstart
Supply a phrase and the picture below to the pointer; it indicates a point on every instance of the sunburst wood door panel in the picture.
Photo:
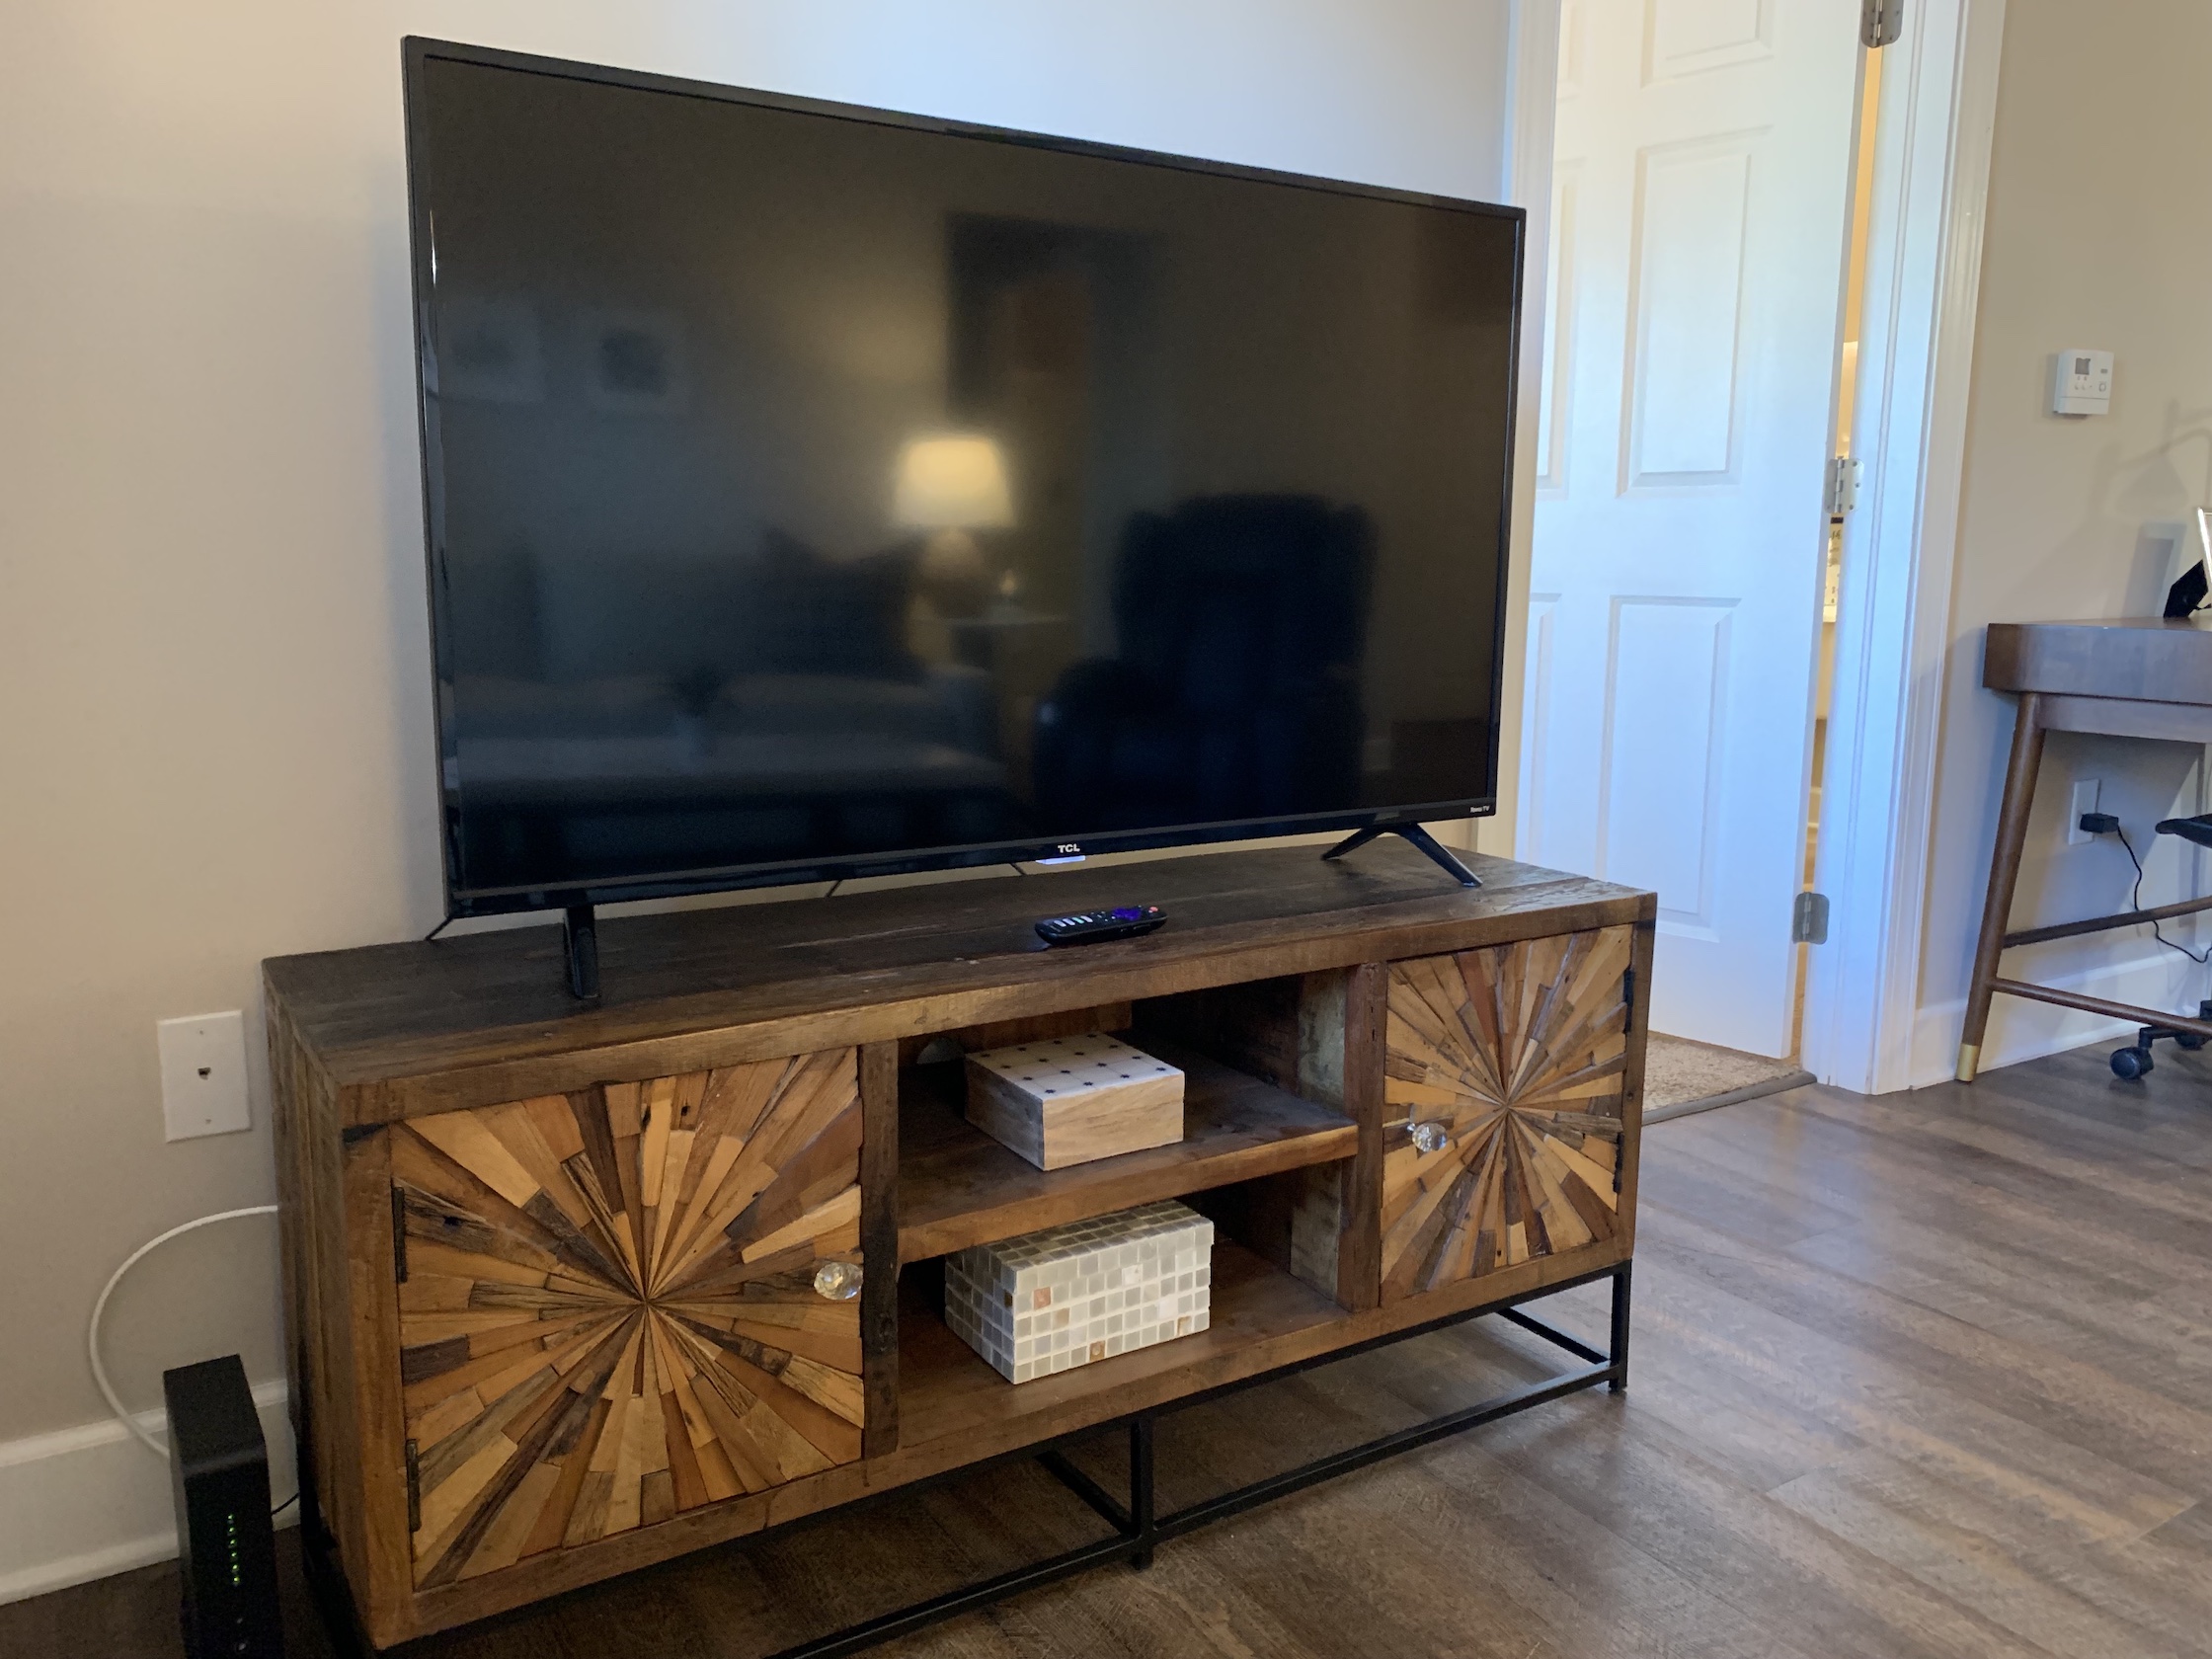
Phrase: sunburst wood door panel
(1503, 1117)
(625, 1302)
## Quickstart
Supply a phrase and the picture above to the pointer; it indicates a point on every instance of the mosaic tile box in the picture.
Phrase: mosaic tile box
(1052, 1301)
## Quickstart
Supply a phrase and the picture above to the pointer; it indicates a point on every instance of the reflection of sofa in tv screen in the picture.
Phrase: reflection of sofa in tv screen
(1241, 621)
(646, 711)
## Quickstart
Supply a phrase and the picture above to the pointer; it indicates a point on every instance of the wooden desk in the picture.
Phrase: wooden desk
(2136, 677)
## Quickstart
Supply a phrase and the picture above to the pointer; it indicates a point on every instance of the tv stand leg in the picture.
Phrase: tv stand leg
(1618, 1349)
(1140, 1500)
(1427, 843)
(579, 943)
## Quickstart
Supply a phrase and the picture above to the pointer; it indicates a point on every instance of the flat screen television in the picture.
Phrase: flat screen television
(815, 491)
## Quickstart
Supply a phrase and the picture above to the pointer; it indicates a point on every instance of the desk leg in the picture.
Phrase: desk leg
(2003, 875)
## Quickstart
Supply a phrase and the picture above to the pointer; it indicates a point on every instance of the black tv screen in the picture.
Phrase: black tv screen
(814, 491)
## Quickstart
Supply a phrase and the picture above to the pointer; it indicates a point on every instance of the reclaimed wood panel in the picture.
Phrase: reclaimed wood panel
(410, 1029)
(608, 1306)
(1319, 1035)
(879, 1243)
(1504, 1092)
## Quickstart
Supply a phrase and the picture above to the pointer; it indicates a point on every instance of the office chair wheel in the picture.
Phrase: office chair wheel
(2131, 1062)
(2190, 1040)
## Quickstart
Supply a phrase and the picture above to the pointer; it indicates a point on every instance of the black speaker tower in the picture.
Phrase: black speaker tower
(218, 1476)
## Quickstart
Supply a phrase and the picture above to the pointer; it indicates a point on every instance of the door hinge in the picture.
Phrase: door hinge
(1843, 485)
(1809, 921)
(399, 1236)
(1628, 1000)
(1880, 21)
(414, 1490)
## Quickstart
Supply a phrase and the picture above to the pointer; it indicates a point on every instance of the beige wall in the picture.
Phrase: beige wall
(2097, 236)
(215, 712)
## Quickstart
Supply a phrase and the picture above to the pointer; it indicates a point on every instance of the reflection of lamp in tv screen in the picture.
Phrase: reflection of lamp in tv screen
(952, 485)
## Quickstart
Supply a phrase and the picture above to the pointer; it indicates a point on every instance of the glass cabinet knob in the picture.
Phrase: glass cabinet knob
(837, 1281)
(1429, 1137)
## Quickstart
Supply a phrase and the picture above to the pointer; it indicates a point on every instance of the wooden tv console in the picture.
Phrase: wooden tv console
(551, 1271)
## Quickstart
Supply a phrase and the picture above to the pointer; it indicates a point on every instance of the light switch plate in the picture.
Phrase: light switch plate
(204, 1075)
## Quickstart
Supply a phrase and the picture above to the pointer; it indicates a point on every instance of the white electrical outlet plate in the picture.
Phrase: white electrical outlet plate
(2082, 800)
(204, 1075)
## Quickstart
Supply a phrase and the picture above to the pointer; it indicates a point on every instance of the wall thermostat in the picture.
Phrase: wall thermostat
(2081, 382)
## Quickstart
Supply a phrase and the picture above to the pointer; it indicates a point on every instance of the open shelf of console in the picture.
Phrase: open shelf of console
(945, 1389)
(957, 1187)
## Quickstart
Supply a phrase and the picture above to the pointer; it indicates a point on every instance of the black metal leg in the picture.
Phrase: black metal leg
(1357, 839)
(1141, 1489)
(579, 943)
(1431, 849)
(940, 1608)
(326, 1589)
(1618, 1382)
(1077, 1481)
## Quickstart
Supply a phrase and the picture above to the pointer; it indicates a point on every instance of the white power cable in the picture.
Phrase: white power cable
(91, 1331)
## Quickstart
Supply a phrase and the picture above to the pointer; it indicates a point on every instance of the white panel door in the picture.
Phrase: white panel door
(1701, 217)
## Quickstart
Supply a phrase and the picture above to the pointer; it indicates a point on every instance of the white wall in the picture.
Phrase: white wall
(214, 711)
(2097, 236)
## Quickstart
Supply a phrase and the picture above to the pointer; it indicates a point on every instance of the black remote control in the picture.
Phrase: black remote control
(1090, 926)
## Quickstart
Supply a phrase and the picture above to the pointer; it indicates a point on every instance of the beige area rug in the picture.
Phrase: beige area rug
(1681, 1078)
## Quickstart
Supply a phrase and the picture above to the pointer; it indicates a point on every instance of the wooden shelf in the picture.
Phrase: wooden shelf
(945, 1389)
(957, 1187)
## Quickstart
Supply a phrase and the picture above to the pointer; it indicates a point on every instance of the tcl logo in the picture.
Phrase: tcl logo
(1070, 846)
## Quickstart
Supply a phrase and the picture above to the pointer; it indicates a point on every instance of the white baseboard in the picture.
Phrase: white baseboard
(82, 1503)
(2020, 1030)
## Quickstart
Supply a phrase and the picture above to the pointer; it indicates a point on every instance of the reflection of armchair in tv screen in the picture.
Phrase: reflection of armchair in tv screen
(1241, 622)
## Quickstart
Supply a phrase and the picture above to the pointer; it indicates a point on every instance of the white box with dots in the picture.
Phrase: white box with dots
(1066, 1100)
(1086, 1290)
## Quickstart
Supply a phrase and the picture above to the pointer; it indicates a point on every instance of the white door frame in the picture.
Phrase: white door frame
(1916, 357)
(1531, 115)
(1937, 117)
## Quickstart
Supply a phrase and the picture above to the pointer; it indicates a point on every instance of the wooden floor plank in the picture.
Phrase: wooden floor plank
(1919, 1377)
(1800, 1581)
(2024, 1576)
(2162, 1342)
(2070, 1397)
(1894, 1405)
(1886, 1178)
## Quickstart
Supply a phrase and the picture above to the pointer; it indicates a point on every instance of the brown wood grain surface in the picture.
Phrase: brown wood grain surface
(2146, 659)
(880, 1156)
(959, 1187)
(1319, 1035)
(366, 1386)
(1365, 1050)
(1514, 1058)
(608, 1308)
(478, 1019)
